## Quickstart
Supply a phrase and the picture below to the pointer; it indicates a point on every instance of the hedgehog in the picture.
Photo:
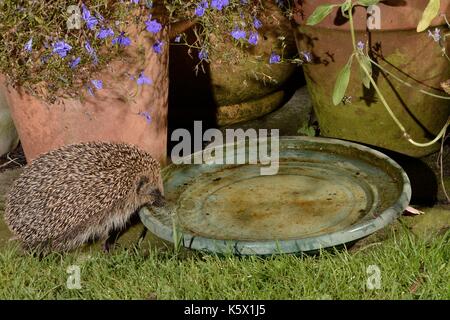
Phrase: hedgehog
(81, 192)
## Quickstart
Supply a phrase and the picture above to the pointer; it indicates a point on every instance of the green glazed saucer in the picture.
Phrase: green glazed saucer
(326, 193)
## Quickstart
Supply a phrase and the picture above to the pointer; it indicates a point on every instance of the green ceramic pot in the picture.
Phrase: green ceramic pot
(242, 83)
(397, 46)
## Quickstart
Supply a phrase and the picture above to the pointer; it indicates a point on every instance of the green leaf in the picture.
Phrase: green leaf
(342, 81)
(430, 12)
(319, 14)
(346, 6)
(365, 61)
(368, 2)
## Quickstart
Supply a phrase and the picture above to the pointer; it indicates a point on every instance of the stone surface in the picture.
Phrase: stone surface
(436, 220)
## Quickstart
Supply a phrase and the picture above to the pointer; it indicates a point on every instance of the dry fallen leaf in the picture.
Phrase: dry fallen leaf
(410, 211)
(446, 86)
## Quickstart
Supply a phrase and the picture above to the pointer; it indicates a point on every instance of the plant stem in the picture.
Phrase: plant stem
(352, 29)
(440, 135)
(407, 83)
(350, 17)
(383, 100)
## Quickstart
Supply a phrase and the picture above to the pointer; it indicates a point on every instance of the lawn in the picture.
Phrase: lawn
(410, 267)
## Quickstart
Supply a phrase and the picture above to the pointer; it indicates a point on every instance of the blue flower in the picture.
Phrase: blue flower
(307, 56)
(360, 45)
(201, 8)
(436, 34)
(88, 48)
(28, 46)
(147, 116)
(61, 48)
(157, 46)
(253, 38)
(98, 84)
(203, 54)
(100, 17)
(274, 58)
(122, 40)
(280, 3)
(74, 63)
(238, 34)
(177, 38)
(135, 1)
(105, 33)
(142, 79)
(86, 13)
(257, 23)
(91, 52)
(153, 26)
(90, 20)
(219, 4)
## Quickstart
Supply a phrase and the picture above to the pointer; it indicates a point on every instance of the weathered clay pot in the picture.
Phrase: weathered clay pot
(239, 87)
(112, 114)
(414, 56)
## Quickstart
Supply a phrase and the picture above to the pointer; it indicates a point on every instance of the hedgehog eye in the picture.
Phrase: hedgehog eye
(142, 182)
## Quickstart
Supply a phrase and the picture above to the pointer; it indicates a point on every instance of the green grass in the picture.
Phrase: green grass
(411, 268)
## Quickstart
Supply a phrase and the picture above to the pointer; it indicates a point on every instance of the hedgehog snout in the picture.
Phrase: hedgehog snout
(158, 198)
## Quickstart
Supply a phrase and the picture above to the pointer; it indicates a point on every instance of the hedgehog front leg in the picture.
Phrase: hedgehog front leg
(115, 233)
(113, 236)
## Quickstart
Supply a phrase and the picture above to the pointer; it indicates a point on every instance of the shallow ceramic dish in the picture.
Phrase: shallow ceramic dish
(326, 193)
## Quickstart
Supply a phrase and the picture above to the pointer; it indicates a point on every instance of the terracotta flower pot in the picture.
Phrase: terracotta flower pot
(115, 113)
(415, 57)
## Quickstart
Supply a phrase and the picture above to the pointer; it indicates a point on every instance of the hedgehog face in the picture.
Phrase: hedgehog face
(150, 191)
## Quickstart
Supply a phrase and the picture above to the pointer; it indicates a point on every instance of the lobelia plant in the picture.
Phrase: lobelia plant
(361, 53)
(86, 70)
(98, 69)
(246, 49)
(238, 21)
(431, 12)
(53, 49)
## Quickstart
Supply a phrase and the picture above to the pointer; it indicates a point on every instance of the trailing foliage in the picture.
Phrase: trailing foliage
(45, 52)
(54, 48)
